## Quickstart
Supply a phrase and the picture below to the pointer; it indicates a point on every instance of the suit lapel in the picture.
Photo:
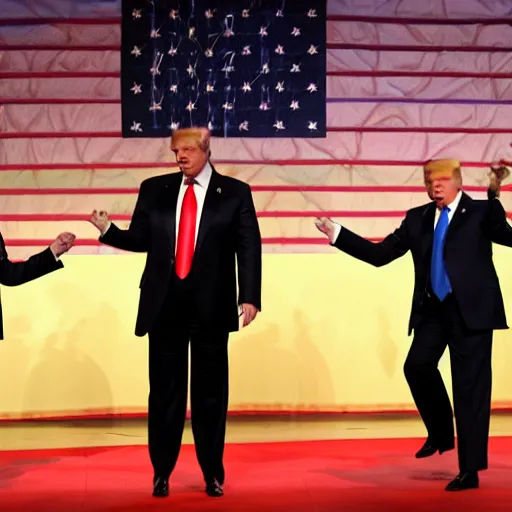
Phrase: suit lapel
(427, 228)
(212, 201)
(167, 203)
(459, 216)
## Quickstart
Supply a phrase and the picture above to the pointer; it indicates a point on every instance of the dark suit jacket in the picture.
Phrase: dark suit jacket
(14, 274)
(468, 257)
(228, 235)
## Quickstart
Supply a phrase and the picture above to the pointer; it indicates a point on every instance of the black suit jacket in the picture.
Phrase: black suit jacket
(228, 235)
(468, 257)
(16, 273)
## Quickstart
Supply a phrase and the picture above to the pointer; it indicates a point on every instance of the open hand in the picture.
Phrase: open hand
(62, 244)
(326, 226)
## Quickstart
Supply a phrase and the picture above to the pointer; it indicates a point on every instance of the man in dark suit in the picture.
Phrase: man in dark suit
(38, 265)
(195, 226)
(457, 303)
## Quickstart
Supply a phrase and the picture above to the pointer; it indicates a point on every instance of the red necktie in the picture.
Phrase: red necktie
(186, 231)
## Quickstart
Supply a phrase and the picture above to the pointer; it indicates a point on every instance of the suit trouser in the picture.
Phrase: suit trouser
(168, 381)
(470, 358)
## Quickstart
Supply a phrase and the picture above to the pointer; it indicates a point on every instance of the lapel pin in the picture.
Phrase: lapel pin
(219, 190)
(463, 210)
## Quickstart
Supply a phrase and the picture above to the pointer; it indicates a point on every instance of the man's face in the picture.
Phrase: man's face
(442, 189)
(189, 156)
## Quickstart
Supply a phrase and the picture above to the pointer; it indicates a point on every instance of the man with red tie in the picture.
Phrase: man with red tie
(195, 226)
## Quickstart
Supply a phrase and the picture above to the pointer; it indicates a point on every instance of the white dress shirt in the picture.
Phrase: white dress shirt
(453, 206)
(200, 188)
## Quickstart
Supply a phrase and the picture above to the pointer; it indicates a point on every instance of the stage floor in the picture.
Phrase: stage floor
(345, 464)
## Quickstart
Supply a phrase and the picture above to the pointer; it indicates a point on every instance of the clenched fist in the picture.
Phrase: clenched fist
(62, 244)
(100, 220)
(498, 173)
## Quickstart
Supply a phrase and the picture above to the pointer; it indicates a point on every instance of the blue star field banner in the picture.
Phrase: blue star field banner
(243, 68)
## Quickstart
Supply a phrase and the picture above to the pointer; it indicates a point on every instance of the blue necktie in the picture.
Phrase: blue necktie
(438, 276)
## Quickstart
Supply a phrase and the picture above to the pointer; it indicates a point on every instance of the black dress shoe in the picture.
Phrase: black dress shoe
(160, 487)
(463, 481)
(214, 488)
(429, 449)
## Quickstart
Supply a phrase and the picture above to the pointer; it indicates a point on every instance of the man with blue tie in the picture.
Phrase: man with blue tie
(457, 303)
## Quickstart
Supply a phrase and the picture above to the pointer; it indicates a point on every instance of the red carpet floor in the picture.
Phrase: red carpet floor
(344, 476)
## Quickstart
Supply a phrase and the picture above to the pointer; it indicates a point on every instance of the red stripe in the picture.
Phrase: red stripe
(116, 20)
(254, 188)
(356, 73)
(59, 101)
(416, 48)
(331, 129)
(20, 242)
(329, 46)
(78, 217)
(399, 20)
(59, 48)
(290, 162)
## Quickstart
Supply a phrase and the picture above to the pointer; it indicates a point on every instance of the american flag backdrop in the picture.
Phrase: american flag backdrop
(243, 68)
(405, 81)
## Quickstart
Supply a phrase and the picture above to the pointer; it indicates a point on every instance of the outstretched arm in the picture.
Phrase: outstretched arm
(495, 224)
(38, 265)
(133, 239)
(377, 254)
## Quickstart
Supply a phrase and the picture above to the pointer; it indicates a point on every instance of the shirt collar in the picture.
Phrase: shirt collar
(203, 178)
(455, 203)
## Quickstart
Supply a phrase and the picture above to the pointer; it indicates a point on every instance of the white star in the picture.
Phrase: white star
(312, 88)
(245, 13)
(136, 127)
(264, 106)
(312, 13)
(210, 88)
(263, 31)
(155, 106)
(244, 126)
(294, 105)
(190, 70)
(136, 13)
(191, 32)
(312, 50)
(312, 125)
(265, 69)
(175, 126)
(228, 69)
(280, 87)
(279, 50)
(173, 14)
(191, 106)
(279, 13)
(154, 71)
(155, 33)
(246, 50)
(227, 106)
(279, 125)
(228, 33)
(209, 52)
(295, 68)
(174, 88)
(209, 14)
(246, 87)
(172, 51)
(136, 89)
(295, 32)
(136, 51)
